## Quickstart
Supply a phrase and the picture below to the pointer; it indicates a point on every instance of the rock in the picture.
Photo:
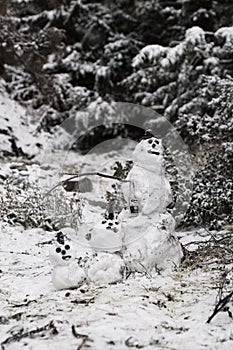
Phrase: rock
(83, 185)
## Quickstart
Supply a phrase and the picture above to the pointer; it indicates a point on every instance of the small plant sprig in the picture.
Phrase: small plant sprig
(224, 297)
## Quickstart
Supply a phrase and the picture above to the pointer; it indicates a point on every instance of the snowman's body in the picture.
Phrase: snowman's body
(140, 239)
(76, 264)
(66, 272)
(149, 187)
(148, 237)
(106, 236)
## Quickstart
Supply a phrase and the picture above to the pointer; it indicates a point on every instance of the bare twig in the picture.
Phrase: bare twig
(215, 249)
(74, 176)
(220, 306)
(97, 174)
(20, 335)
(77, 335)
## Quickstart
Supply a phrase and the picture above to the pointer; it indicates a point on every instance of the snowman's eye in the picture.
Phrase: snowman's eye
(63, 252)
(58, 250)
(156, 141)
(67, 247)
(116, 222)
(104, 222)
(150, 141)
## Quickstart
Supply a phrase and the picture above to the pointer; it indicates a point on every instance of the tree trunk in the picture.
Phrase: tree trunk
(3, 7)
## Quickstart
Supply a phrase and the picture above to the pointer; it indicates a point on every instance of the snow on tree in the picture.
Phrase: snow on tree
(57, 57)
(171, 80)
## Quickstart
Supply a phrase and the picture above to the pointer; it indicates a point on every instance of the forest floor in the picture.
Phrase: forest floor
(163, 312)
(160, 312)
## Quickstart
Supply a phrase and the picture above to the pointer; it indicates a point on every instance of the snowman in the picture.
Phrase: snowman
(66, 272)
(141, 238)
(147, 228)
(147, 186)
(107, 236)
(77, 264)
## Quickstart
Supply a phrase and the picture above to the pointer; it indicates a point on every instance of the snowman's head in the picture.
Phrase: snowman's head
(149, 151)
(62, 253)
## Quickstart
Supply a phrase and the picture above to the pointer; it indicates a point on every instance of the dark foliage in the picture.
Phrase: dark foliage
(59, 56)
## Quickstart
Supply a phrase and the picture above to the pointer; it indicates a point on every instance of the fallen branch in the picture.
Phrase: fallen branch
(220, 306)
(217, 249)
(98, 174)
(20, 335)
(77, 335)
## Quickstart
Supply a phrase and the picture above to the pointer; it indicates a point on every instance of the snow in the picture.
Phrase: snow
(144, 310)
(151, 53)
(195, 36)
(70, 276)
(167, 56)
(150, 311)
(105, 240)
(105, 269)
(17, 126)
(21, 1)
(226, 33)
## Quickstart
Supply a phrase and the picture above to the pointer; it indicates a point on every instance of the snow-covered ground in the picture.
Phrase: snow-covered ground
(144, 311)
(159, 312)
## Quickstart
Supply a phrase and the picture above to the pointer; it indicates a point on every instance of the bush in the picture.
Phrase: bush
(24, 203)
(211, 136)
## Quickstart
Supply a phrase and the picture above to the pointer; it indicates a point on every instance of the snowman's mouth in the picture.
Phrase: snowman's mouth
(153, 152)
(66, 257)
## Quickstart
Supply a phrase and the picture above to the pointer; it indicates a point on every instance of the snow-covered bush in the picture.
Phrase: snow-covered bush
(117, 56)
(216, 124)
(24, 203)
(211, 135)
(176, 80)
(165, 77)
